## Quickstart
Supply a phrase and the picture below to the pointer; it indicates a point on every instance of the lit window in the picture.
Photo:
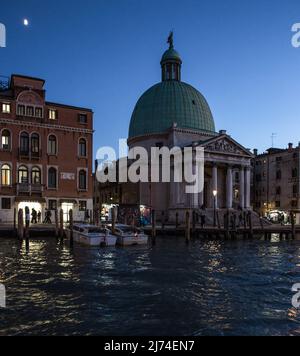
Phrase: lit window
(82, 205)
(23, 175)
(29, 111)
(6, 108)
(39, 112)
(52, 114)
(36, 175)
(21, 110)
(5, 140)
(6, 175)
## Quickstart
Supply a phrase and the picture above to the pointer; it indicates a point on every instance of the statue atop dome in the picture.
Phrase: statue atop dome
(171, 39)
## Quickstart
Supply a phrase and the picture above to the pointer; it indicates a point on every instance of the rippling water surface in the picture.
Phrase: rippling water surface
(206, 288)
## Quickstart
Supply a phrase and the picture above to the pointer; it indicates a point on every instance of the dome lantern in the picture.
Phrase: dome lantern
(171, 62)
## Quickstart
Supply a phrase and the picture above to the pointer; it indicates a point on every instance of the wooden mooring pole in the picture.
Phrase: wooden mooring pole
(15, 222)
(71, 226)
(153, 218)
(293, 226)
(250, 225)
(188, 227)
(177, 220)
(27, 224)
(61, 224)
(56, 224)
(163, 221)
(21, 224)
(113, 223)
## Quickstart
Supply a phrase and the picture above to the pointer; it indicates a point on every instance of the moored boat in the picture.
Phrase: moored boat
(92, 235)
(130, 236)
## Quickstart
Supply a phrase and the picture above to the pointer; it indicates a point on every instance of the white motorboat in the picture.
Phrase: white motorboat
(92, 235)
(130, 236)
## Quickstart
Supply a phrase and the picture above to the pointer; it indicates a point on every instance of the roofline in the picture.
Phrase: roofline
(68, 106)
(28, 77)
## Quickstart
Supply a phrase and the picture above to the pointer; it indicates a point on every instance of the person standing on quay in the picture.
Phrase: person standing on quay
(27, 216)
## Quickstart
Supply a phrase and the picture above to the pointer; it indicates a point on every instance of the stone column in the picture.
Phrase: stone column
(247, 188)
(229, 190)
(242, 187)
(215, 181)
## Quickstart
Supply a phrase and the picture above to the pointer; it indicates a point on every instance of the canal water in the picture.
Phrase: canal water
(206, 288)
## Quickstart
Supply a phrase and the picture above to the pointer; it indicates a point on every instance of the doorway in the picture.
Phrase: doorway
(31, 205)
(66, 207)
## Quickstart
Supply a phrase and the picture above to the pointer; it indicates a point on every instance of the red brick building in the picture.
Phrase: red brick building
(45, 151)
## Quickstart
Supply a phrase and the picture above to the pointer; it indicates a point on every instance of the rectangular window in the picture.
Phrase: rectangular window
(52, 204)
(52, 114)
(29, 111)
(82, 118)
(21, 110)
(5, 108)
(82, 205)
(6, 203)
(39, 112)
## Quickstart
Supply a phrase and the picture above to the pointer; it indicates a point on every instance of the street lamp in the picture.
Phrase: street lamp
(215, 193)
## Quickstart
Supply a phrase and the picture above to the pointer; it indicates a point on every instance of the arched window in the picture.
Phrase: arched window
(82, 180)
(24, 142)
(35, 144)
(5, 140)
(23, 175)
(52, 178)
(36, 175)
(6, 175)
(82, 147)
(52, 145)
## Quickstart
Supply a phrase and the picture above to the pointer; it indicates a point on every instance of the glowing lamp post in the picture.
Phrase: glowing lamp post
(215, 193)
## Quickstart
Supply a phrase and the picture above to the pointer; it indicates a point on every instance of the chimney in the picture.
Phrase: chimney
(290, 146)
(255, 151)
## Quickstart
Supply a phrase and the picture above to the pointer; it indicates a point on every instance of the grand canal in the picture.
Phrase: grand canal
(206, 288)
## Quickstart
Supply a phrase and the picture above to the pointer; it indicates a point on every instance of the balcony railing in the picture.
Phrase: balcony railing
(29, 189)
(30, 155)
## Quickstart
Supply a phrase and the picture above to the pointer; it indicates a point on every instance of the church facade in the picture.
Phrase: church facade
(174, 114)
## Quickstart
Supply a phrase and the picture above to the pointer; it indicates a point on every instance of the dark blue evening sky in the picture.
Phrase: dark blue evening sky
(104, 54)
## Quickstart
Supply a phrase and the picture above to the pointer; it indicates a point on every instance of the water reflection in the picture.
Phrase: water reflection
(206, 288)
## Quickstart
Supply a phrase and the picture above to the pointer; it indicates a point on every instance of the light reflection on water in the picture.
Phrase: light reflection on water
(206, 288)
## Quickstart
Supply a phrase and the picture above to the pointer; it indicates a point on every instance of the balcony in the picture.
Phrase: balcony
(26, 189)
(30, 155)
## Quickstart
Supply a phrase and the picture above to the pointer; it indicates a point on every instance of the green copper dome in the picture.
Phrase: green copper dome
(171, 54)
(167, 103)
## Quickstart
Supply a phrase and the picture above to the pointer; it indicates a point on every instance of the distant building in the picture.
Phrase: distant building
(175, 114)
(276, 180)
(45, 151)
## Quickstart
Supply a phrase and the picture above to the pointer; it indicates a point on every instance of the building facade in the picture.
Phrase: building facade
(276, 183)
(174, 114)
(45, 152)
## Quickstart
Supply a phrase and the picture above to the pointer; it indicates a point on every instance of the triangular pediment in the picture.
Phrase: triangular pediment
(226, 145)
